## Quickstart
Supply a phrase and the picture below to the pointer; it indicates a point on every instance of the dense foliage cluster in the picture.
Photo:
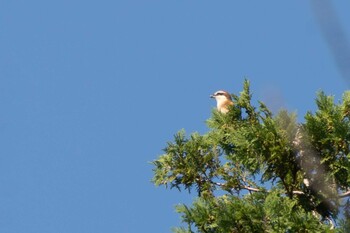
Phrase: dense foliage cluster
(256, 172)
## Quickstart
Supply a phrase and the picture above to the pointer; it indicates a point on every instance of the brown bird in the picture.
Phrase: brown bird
(223, 100)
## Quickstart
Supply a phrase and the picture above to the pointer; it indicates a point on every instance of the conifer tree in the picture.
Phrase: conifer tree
(258, 172)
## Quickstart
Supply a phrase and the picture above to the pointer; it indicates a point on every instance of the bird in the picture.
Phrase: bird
(223, 100)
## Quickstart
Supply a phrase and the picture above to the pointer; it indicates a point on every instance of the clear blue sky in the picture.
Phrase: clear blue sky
(90, 91)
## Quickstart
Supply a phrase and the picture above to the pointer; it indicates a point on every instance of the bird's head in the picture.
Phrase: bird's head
(221, 96)
(223, 100)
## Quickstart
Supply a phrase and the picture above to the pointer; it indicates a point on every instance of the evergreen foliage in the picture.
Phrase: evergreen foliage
(256, 172)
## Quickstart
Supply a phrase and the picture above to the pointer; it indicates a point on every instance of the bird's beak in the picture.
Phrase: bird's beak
(212, 96)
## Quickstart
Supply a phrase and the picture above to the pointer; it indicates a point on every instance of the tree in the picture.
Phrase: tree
(256, 172)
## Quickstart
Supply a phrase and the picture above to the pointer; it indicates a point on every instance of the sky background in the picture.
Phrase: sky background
(91, 91)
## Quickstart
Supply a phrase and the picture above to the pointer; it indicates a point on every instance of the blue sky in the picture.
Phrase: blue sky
(90, 92)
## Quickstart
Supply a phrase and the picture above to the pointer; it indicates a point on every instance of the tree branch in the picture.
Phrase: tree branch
(240, 187)
(262, 190)
(251, 188)
(298, 192)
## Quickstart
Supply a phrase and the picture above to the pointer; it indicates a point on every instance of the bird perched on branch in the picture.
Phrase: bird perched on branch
(223, 100)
